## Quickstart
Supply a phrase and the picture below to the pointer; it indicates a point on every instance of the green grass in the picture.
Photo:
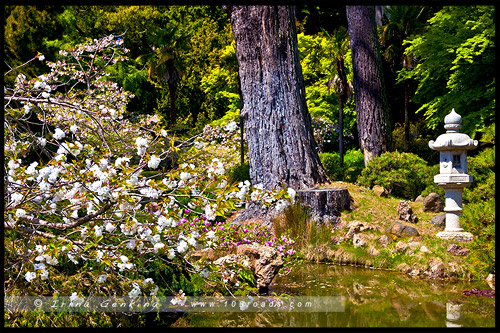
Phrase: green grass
(317, 243)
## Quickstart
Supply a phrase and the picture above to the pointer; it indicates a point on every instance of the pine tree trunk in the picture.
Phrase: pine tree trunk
(281, 146)
(369, 89)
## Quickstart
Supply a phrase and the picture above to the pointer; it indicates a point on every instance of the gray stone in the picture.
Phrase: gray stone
(439, 220)
(380, 191)
(405, 212)
(401, 247)
(433, 203)
(400, 230)
(419, 199)
(436, 269)
(413, 246)
(384, 240)
(355, 227)
(373, 252)
(265, 262)
(359, 240)
(457, 250)
(424, 249)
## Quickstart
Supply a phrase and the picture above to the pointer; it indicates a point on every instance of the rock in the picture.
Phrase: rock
(359, 240)
(419, 199)
(373, 252)
(398, 229)
(436, 269)
(384, 240)
(412, 246)
(491, 281)
(325, 204)
(380, 191)
(433, 203)
(231, 259)
(400, 247)
(265, 262)
(424, 249)
(337, 239)
(404, 267)
(405, 212)
(355, 227)
(439, 220)
(457, 250)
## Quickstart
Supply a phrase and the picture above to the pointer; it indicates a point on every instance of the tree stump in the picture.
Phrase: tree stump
(325, 204)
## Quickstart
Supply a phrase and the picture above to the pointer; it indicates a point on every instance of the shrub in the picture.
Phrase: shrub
(482, 169)
(353, 165)
(479, 219)
(331, 164)
(404, 175)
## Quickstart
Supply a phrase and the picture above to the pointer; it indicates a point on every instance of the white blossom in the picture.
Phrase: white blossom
(102, 278)
(31, 169)
(291, 193)
(59, 134)
(158, 246)
(231, 127)
(110, 227)
(154, 162)
(136, 291)
(30, 276)
(182, 246)
(44, 274)
(20, 213)
(98, 231)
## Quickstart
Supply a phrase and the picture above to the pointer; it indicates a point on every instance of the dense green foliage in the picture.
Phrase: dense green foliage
(456, 55)
(479, 219)
(353, 165)
(404, 175)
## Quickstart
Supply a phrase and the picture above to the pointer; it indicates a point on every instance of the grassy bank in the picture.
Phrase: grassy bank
(361, 239)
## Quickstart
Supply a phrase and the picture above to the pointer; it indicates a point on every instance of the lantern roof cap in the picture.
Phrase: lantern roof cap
(453, 121)
(453, 139)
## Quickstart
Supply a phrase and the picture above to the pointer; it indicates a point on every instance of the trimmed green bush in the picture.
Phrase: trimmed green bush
(404, 175)
(353, 165)
(331, 164)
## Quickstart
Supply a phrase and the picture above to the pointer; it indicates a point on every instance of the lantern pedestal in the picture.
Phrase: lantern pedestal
(453, 177)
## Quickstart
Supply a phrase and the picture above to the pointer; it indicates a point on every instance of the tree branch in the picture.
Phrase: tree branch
(58, 225)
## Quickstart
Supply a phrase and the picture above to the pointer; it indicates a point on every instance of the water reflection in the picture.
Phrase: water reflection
(373, 298)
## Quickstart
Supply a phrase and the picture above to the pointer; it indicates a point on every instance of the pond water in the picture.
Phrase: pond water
(370, 298)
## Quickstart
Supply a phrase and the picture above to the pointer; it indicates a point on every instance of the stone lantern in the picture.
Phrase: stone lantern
(453, 177)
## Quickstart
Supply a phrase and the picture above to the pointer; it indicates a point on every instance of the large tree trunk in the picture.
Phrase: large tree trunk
(369, 88)
(281, 146)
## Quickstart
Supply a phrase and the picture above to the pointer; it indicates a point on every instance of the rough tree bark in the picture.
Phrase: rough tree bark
(281, 146)
(372, 114)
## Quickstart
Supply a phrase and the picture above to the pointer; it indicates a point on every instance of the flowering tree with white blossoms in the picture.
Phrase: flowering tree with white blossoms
(81, 215)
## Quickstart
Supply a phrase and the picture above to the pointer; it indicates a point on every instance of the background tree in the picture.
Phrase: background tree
(402, 22)
(282, 150)
(369, 87)
(456, 57)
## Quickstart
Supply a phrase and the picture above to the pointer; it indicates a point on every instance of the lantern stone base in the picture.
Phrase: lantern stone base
(457, 236)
